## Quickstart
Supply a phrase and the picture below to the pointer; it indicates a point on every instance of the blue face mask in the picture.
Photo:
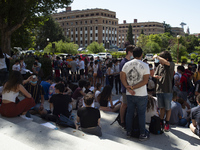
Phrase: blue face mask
(33, 82)
(156, 60)
(101, 89)
(131, 57)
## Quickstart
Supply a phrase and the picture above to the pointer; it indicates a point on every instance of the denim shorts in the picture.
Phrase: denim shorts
(164, 100)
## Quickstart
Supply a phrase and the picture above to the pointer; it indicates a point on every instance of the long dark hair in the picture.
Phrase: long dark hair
(151, 103)
(105, 95)
(14, 80)
(1, 53)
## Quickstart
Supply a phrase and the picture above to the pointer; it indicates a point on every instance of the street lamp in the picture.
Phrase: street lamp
(178, 37)
(107, 47)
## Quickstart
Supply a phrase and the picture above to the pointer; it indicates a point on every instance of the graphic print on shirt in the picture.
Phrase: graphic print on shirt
(133, 75)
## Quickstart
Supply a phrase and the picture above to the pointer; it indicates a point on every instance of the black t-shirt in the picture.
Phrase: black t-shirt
(88, 117)
(36, 91)
(196, 115)
(60, 104)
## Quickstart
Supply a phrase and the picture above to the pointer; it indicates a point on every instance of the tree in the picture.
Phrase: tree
(130, 35)
(15, 13)
(167, 28)
(62, 47)
(51, 30)
(152, 47)
(142, 41)
(182, 52)
(95, 47)
(142, 31)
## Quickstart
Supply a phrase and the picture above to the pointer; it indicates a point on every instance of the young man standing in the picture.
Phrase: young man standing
(164, 75)
(135, 75)
(129, 55)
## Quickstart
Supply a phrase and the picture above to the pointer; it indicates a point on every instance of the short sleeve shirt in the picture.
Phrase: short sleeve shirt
(164, 84)
(88, 117)
(195, 112)
(135, 70)
(120, 69)
(183, 82)
(176, 111)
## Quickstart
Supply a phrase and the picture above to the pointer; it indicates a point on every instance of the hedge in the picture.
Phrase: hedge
(118, 54)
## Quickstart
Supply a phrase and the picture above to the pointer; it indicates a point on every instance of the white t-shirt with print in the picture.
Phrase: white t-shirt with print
(135, 70)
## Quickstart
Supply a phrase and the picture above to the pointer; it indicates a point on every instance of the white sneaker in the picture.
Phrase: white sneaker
(24, 117)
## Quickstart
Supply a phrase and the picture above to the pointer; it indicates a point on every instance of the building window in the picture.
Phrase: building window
(67, 23)
(71, 23)
(103, 34)
(76, 23)
(109, 22)
(96, 21)
(82, 15)
(77, 16)
(101, 14)
(85, 22)
(81, 35)
(104, 14)
(68, 17)
(91, 41)
(103, 21)
(80, 22)
(87, 15)
(90, 35)
(64, 17)
(80, 29)
(92, 15)
(90, 21)
(85, 42)
(96, 35)
(76, 35)
(90, 28)
(86, 35)
(73, 17)
(85, 28)
(106, 21)
(97, 14)
(103, 28)
(76, 29)
(108, 15)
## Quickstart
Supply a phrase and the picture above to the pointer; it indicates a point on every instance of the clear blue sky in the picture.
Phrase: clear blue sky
(173, 12)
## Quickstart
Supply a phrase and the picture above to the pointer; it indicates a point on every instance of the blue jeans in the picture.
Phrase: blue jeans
(133, 102)
(182, 122)
(164, 100)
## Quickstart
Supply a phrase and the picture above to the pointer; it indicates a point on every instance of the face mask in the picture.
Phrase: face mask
(33, 82)
(131, 57)
(101, 89)
(156, 60)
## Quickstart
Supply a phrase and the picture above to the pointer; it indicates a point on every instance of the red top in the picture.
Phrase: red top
(188, 72)
(183, 81)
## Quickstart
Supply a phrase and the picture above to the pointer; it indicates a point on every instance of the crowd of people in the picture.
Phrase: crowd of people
(145, 89)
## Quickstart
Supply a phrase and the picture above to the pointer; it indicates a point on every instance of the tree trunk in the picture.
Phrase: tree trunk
(6, 41)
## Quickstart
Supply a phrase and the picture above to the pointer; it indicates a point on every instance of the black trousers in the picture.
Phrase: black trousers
(110, 80)
(117, 84)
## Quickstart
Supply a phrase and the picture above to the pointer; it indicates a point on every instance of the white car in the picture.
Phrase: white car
(93, 55)
(104, 55)
(149, 57)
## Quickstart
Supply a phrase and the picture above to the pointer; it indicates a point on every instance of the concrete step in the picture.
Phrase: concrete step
(36, 136)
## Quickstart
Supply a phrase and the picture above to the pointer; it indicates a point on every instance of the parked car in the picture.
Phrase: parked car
(93, 55)
(149, 57)
(104, 55)
(81, 55)
(81, 49)
(63, 55)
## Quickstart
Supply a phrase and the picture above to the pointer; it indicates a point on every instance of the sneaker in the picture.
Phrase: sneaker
(24, 117)
(143, 137)
(162, 126)
(128, 134)
(166, 129)
(123, 125)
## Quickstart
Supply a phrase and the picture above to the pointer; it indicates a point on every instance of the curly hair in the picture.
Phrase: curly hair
(151, 103)
(14, 81)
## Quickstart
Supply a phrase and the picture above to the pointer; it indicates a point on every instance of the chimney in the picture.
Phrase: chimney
(124, 21)
(68, 9)
(135, 20)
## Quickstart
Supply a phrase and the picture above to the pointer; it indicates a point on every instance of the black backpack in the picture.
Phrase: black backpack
(135, 127)
(155, 126)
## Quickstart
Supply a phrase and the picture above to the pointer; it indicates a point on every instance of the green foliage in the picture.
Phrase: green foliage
(50, 30)
(15, 13)
(62, 47)
(168, 28)
(184, 58)
(95, 47)
(118, 54)
(130, 35)
(182, 51)
(193, 56)
(142, 41)
(152, 47)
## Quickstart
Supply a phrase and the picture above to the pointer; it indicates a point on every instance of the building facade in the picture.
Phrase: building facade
(85, 26)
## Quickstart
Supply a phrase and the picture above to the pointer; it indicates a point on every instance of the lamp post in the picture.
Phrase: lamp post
(178, 37)
(107, 47)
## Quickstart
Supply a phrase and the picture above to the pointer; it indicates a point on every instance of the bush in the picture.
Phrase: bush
(193, 56)
(95, 47)
(118, 54)
(46, 65)
(184, 58)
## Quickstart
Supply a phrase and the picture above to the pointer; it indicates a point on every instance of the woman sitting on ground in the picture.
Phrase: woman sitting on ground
(106, 96)
(89, 118)
(10, 92)
(152, 108)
